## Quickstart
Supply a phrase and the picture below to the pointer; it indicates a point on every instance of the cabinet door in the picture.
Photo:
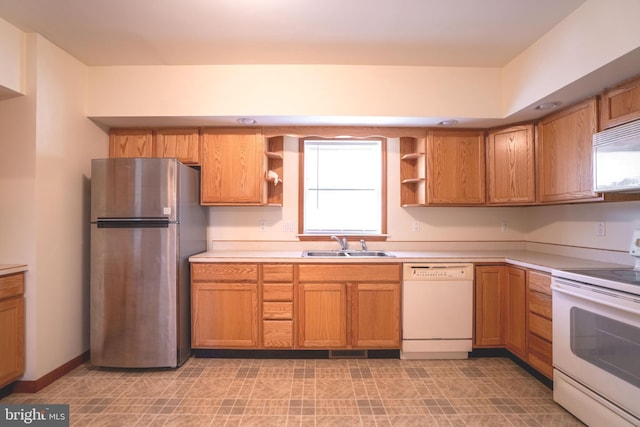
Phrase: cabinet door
(232, 167)
(224, 315)
(490, 286)
(455, 168)
(322, 311)
(620, 105)
(183, 144)
(375, 315)
(564, 154)
(511, 165)
(130, 143)
(515, 312)
(11, 339)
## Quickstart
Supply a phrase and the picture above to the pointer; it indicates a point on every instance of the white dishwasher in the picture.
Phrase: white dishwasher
(437, 311)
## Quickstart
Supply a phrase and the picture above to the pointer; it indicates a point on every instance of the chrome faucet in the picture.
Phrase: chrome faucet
(364, 245)
(342, 241)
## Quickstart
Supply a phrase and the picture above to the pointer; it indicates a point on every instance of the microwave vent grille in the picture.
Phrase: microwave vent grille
(623, 132)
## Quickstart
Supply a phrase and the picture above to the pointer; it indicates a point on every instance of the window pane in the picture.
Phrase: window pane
(342, 187)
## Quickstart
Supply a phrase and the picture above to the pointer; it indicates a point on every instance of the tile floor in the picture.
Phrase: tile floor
(336, 392)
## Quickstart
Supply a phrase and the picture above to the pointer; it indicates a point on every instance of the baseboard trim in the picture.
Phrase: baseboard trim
(59, 372)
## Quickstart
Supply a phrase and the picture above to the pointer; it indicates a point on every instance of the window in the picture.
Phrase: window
(343, 188)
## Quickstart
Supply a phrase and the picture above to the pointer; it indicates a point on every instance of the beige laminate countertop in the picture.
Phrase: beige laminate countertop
(11, 268)
(535, 260)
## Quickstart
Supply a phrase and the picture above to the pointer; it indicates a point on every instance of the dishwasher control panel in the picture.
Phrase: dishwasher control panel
(437, 271)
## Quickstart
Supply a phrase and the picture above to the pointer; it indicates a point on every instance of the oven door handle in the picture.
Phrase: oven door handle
(602, 301)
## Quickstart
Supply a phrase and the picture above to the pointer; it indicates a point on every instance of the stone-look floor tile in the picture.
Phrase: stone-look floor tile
(235, 392)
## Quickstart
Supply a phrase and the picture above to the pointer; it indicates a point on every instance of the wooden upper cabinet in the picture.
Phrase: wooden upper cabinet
(564, 154)
(412, 171)
(180, 143)
(130, 143)
(511, 165)
(232, 167)
(455, 167)
(620, 104)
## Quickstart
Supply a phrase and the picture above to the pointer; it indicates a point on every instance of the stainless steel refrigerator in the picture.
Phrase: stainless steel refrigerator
(146, 220)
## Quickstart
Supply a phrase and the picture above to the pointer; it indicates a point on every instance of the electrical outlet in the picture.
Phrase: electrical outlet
(504, 228)
(262, 224)
(287, 227)
(601, 229)
(415, 226)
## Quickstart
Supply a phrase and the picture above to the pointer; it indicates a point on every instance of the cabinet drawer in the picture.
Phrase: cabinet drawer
(277, 272)
(11, 285)
(540, 304)
(277, 292)
(224, 272)
(540, 326)
(540, 282)
(277, 310)
(540, 355)
(349, 272)
(277, 333)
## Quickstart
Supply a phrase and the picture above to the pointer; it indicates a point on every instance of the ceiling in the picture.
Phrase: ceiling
(456, 33)
(464, 33)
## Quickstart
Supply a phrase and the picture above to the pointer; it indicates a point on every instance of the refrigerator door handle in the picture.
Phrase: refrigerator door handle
(133, 223)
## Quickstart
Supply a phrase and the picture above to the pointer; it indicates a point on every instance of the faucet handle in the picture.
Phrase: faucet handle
(363, 244)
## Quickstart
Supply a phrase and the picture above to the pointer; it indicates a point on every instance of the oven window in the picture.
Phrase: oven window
(609, 344)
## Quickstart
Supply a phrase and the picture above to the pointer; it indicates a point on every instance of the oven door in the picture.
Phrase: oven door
(596, 340)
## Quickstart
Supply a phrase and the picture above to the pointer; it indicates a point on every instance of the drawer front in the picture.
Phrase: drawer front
(11, 285)
(540, 304)
(277, 310)
(349, 273)
(277, 334)
(540, 282)
(224, 272)
(277, 272)
(540, 326)
(277, 292)
(540, 355)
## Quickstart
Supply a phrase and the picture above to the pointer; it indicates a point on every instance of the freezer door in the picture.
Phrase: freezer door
(134, 299)
(134, 188)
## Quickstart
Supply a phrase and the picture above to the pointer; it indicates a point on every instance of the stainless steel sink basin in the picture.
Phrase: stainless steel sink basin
(323, 254)
(369, 254)
(331, 254)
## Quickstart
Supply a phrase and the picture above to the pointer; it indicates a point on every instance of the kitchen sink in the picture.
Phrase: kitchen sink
(361, 254)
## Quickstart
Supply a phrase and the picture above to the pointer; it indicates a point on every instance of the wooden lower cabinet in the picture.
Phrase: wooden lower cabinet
(515, 337)
(349, 306)
(540, 331)
(490, 283)
(224, 305)
(375, 315)
(277, 306)
(513, 310)
(12, 328)
(322, 311)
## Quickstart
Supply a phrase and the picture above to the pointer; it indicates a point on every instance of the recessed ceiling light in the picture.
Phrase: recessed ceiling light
(548, 105)
(246, 121)
(450, 122)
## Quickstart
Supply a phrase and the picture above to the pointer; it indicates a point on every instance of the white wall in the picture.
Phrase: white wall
(437, 224)
(44, 188)
(12, 44)
(293, 90)
(595, 34)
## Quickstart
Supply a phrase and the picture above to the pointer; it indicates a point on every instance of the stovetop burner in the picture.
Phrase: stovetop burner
(629, 276)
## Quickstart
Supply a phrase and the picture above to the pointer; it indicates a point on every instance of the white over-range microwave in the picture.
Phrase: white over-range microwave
(616, 159)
